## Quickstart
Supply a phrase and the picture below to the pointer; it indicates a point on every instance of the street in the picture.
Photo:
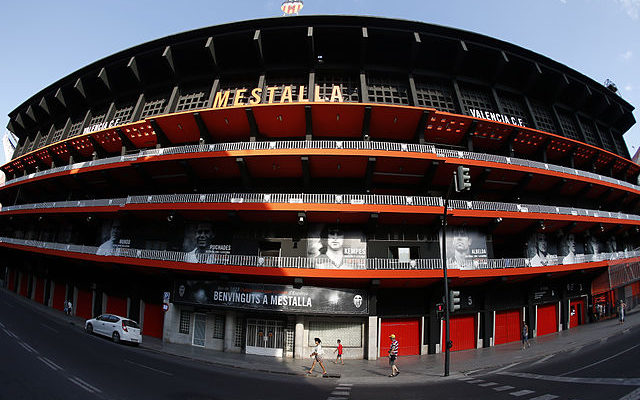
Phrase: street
(45, 357)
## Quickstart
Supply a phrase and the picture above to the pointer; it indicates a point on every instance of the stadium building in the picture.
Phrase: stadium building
(250, 186)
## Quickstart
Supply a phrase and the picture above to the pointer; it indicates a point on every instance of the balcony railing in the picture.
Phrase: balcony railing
(354, 199)
(302, 262)
(329, 145)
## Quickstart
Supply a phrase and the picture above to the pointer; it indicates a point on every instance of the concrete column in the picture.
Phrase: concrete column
(372, 342)
(171, 320)
(229, 330)
(299, 338)
(74, 301)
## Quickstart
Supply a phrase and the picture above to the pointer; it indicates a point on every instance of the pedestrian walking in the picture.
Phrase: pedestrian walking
(69, 307)
(393, 355)
(525, 336)
(339, 351)
(66, 307)
(317, 357)
(621, 311)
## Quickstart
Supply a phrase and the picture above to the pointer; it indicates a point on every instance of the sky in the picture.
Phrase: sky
(43, 41)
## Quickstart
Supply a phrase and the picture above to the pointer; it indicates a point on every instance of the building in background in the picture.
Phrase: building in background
(250, 186)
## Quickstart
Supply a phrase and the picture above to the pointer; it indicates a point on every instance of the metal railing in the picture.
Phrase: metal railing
(303, 262)
(330, 145)
(354, 199)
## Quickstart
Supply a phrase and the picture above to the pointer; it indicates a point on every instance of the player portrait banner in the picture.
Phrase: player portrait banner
(466, 248)
(279, 298)
(336, 247)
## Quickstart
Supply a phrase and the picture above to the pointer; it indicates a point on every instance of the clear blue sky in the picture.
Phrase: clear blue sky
(43, 41)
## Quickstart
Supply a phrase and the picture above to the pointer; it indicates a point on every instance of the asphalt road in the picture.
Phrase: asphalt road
(43, 357)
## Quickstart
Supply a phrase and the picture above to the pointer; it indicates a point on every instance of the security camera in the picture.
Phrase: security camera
(302, 218)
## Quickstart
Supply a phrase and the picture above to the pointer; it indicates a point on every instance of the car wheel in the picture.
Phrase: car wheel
(115, 337)
(89, 329)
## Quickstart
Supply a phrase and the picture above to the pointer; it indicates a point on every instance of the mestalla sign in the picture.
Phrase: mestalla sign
(278, 298)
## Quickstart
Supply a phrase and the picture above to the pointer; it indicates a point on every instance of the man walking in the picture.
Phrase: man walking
(393, 354)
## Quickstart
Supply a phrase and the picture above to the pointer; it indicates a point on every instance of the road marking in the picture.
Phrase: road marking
(28, 348)
(626, 330)
(50, 328)
(601, 361)
(545, 397)
(487, 384)
(466, 378)
(346, 384)
(476, 381)
(635, 395)
(84, 385)
(521, 392)
(543, 359)
(577, 349)
(50, 364)
(503, 388)
(503, 368)
(8, 332)
(567, 379)
(152, 369)
(1, 325)
(604, 339)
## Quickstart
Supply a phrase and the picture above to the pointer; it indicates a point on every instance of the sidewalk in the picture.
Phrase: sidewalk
(413, 368)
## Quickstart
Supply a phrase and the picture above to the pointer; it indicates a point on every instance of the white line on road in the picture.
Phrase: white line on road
(601, 361)
(50, 328)
(476, 381)
(28, 348)
(503, 368)
(487, 384)
(521, 392)
(152, 369)
(8, 332)
(567, 379)
(635, 395)
(503, 388)
(346, 384)
(604, 339)
(50, 364)
(543, 359)
(84, 385)
(466, 378)
(545, 397)
(577, 349)
(1, 325)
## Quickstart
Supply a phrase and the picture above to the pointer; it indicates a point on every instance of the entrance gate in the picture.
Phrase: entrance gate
(265, 337)
(199, 329)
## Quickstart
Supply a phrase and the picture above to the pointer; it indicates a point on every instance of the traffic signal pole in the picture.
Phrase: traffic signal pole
(461, 181)
(446, 283)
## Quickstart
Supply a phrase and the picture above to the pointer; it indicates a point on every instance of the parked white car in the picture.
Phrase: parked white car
(116, 327)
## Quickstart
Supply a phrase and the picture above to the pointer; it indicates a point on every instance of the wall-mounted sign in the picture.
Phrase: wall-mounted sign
(279, 298)
(268, 95)
(102, 125)
(496, 117)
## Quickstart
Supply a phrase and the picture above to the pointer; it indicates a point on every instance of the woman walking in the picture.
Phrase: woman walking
(317, 354)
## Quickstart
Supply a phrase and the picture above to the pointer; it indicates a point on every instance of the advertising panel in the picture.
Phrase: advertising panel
(114, 236)
(277, 298)
(466, 248)
(540, 251)
(570, 251)
(202, 239)
(334, 247)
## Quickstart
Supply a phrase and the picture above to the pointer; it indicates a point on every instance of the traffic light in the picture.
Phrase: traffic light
(454, 300)
(463, 179)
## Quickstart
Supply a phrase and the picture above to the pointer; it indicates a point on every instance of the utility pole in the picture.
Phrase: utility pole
(461, 180)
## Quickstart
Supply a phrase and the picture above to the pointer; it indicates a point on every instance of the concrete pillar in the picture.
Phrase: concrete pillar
(372, 342)
(229, 330)
(299, 339)
(74, 301)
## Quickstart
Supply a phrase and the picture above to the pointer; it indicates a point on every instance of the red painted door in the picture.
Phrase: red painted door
(407, 333)
(12, 280)
(24, 281)
(576, 312)
(547, 319)
(507, 326)
(59, 293)
(153, 320)
(117, 306)
(38, 295)
(462, 332)
(83, 303)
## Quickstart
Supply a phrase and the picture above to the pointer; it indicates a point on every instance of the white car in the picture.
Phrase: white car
(116, 327)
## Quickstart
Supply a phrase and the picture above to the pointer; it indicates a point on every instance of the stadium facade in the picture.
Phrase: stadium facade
(250, 186)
